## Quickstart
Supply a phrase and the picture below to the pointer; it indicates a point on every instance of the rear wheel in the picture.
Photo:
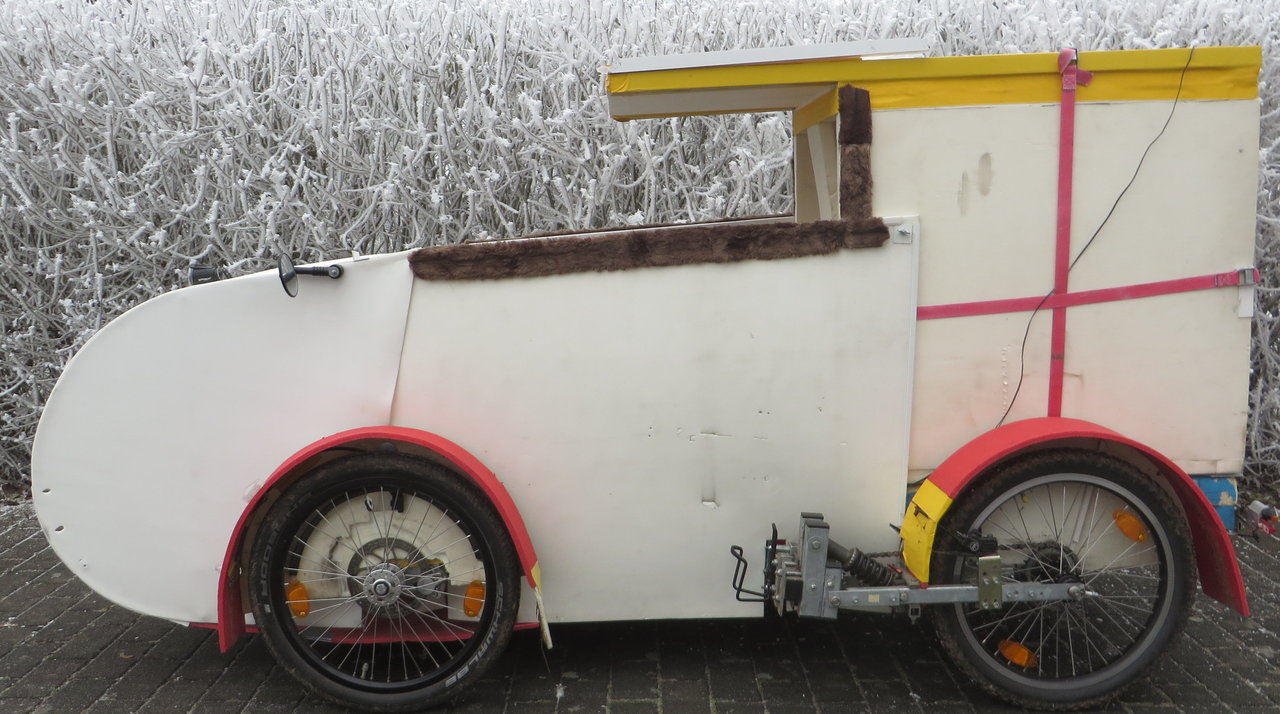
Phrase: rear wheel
(384, 582)
(1068, 517)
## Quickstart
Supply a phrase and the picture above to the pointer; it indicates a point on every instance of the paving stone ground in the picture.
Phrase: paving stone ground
(65, 649)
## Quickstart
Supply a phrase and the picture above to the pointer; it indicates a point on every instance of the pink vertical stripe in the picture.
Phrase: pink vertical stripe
(1062, 249)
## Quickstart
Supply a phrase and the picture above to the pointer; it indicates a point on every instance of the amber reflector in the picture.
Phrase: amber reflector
(1017, 654)
(295, 593)
(1130, 525)
(473, 600)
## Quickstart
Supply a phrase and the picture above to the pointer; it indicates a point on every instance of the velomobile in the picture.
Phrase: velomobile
(982, 363)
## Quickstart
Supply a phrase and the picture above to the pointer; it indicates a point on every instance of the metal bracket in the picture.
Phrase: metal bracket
(903, 230)
(990, 592)
(884, 598)
(1244, 293)
(816, 577)
(740, 568)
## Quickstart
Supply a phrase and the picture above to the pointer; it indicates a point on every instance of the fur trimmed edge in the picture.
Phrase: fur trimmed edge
(855, 181)
(855, 115)
(628, 250)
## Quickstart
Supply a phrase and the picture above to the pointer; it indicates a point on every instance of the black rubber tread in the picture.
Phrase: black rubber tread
(1008, 476)
(382, 469)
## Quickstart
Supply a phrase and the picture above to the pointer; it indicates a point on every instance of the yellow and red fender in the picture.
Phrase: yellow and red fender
(1215, 556)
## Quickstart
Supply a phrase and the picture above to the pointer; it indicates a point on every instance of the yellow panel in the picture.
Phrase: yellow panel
(918, 528)
(1219, 83)
(816, 111)
(1214, 73)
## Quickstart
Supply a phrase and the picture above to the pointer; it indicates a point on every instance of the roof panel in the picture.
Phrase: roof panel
(771, 55)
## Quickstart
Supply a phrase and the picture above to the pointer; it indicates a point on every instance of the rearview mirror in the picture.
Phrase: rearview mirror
(288, 275)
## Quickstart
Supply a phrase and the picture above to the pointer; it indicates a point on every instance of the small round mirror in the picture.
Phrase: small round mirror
(288, 275)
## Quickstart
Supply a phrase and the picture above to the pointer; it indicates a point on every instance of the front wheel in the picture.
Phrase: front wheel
(1068, 517)
(384, 582)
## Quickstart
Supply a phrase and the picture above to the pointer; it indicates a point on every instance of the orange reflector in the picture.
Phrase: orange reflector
(1017, 654)
(1130, 525)
(295, 593)
(473, 600)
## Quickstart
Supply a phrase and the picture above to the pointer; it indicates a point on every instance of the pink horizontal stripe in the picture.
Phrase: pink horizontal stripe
(1084, 297)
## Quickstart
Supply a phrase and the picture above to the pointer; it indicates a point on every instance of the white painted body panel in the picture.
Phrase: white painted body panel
(1170, 371)
(165, 425)
(645, 421)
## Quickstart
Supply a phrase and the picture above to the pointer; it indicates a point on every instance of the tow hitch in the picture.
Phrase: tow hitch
(815, 576)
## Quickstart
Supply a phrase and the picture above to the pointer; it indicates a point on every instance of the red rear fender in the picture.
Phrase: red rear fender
(1215, 555)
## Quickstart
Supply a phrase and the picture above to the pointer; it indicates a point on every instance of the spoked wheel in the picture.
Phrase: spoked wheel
(1079, 518)
(384, 582)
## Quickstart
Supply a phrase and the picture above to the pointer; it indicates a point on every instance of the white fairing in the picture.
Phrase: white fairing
(172, 417)
(645, 421)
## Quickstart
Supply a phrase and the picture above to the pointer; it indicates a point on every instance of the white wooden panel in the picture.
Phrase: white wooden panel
(645, 421)
(1170, 371)
(966, 376)
(984, 181)
(169, 420)
(1192, 209)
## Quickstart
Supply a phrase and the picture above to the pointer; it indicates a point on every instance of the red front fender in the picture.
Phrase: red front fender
(231, 609)
(1215, 555)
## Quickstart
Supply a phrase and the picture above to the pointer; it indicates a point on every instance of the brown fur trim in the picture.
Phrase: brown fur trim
(855, 182)
(626, 250)
(855, 115)
(575, 231)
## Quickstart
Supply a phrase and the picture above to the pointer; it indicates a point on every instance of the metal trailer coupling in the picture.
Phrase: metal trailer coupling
(817, 577)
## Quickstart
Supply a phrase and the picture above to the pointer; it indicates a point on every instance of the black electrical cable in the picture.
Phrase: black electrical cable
(1022, 353)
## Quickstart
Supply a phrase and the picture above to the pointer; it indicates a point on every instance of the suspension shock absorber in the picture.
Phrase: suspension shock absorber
(860, 565)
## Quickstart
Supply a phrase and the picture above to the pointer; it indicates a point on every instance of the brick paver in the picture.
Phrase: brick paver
(65, 649)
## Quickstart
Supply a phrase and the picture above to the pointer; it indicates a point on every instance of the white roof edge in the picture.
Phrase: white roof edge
(772, 55)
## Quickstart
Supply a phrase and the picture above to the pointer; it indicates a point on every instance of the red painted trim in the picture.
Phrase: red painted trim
(1071, 76)
(249, 628)
(1215, 556)
(1087, 297)
(1057, 360)
(230, 608)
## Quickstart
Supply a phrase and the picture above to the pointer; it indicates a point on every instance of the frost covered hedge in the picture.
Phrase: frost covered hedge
(138, 136)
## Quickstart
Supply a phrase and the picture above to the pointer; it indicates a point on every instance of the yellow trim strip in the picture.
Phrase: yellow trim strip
(1206, 84)
(919, 526)
(1214, 73)
(815, 112)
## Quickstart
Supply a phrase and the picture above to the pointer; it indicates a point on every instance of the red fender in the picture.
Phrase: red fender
(1215, 555)
(230, 608)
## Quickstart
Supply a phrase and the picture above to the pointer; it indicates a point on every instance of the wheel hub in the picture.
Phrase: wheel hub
(402, 578)
(383, 584)
(1049, 563)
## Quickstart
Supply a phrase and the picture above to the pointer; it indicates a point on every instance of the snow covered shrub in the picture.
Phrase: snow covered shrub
(138, 136)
